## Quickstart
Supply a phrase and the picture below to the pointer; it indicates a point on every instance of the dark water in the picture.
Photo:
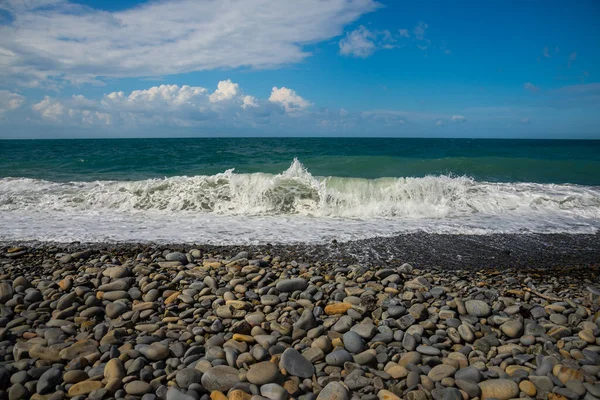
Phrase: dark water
(539, 161)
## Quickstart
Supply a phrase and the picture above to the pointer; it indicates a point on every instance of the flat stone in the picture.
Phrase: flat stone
(478, 308)
(273, 391)
(338, 357)
(501, 389)
(353, 342)
(262, 373)
(440, 372)
(155, 351)
(296, 364)
(292, 285)
(80, 348)
(221, 378)
(83, 388)
(512, 329)
(333, 391)
(138, 388)
(48, 381)
(186, 376)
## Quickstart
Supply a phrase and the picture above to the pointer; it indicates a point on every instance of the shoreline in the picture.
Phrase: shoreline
(423, 250)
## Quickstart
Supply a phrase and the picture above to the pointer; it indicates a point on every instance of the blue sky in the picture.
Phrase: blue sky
(288, 68)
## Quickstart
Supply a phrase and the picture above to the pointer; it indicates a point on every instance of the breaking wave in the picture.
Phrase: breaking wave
(296, 191)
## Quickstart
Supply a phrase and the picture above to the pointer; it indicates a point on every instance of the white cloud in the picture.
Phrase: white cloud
(10, 101)
(226, 90)
(546, 52)
(358, 43)
(288, 99)
(404, 33)
(57, 39)
(172, 105)
(249, 101)
(458, 119)
(531, 87)
(56, 111)
(440, 122)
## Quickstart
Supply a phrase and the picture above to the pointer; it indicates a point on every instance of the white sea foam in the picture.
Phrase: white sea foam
(287, 207)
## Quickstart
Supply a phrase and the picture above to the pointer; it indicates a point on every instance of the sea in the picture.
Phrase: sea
(292, 190)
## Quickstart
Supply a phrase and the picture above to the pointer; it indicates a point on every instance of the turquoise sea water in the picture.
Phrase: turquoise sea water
(295, 189)
(540, 161)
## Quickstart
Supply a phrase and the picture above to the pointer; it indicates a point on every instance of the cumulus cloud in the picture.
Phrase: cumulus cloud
(249, 101)
(56, 111)
(226, 90)
(172, 105)
(440, 122)
(358, 43)
(289, 99)
(531, 87)
(57, 39)
(10, 101)
(404, 33)
(458, 119)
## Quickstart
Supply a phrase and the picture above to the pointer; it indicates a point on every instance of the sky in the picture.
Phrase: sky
(176, 68)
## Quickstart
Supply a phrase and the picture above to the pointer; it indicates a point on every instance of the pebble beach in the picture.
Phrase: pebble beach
(186, 323)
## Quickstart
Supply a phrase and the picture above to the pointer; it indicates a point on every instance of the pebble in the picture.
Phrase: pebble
(296, 364)
(177, 325)
(263, 372)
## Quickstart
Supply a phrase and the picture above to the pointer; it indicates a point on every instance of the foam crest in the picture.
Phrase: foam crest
(296, 192)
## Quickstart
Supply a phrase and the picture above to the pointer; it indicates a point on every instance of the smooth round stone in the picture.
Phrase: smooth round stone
(296, 364)
(353, 342)
(501, 389)
(527, 340)
(292, 285)
(116, 309)
(478, 308)
(17, 392)
(558, 319)
(469, 374)
(48, 381)
(262, 373)
(307, 321)
(185, 377)
(176, 256)
(333, 391)
(409, 342)
(155, 351)
(221, 378)
(338, 357)
(75, 376)
(440, 372)
(466, 333)
(138, 388)
(512, 328)
(576, 386)
(471, 388)
(269, 300)
(429, 350)
(364, 330)
(451, 393)
(528, 388)
(273, 391)
(174, 394)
